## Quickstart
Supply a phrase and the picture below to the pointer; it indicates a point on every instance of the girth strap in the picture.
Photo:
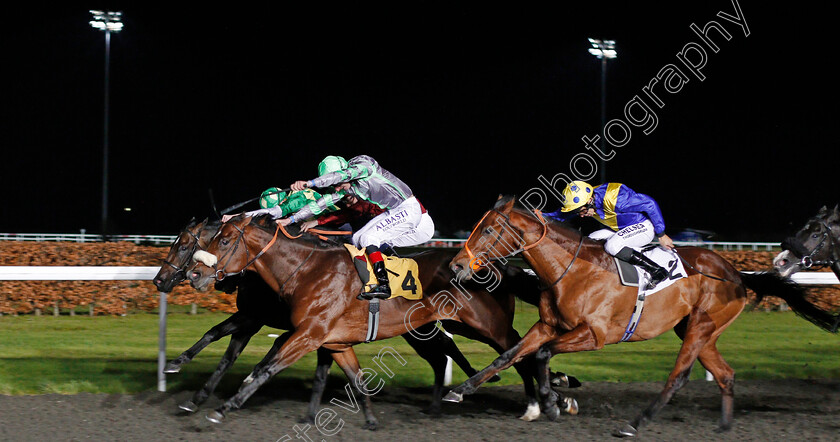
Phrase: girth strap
(373, 320)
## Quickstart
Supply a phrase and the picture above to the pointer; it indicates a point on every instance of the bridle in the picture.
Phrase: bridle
(807, 261)
(221, 274)
(476, 263)
(183, 268)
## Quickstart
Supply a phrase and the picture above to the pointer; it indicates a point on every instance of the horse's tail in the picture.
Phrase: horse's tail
(772, 284)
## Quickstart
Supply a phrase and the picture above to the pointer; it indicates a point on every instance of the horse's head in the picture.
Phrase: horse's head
(174, 269)
(816, 244)
(498, 235)
(226, 254)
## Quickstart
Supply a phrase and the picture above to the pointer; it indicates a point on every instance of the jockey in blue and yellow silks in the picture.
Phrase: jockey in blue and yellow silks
(632, 220)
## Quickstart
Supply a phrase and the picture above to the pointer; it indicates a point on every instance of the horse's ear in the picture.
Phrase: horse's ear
(500, 197)
(823, 211)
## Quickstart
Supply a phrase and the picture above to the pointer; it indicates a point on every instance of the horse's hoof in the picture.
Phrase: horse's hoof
(571, 406)
(307, 420)
(453, 396)
(562, 380)
(370, 425)
(552, 412)
(215, 416)
(189, 406)
(626, 431)
(723, 428)
(433, 410)
(495, 378)
(531, 413)
(171, 368)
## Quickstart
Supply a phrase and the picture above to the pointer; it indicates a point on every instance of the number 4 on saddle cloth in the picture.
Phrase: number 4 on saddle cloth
(402, 274)
(634, 276)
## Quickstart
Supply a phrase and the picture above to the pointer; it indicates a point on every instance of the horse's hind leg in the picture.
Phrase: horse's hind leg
(238, 341)
(220, 330)
(699, 330)
(436, 357)
(348, 362)
(725, 376)
(322, 371)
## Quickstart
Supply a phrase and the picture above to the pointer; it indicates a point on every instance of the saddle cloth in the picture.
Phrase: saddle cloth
(631, 275)
(402, 275)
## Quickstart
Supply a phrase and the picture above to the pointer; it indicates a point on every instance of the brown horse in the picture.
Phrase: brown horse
(319, 283)
(258, 306)
(586, 307)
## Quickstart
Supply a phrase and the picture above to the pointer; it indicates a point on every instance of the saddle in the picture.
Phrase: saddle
(402, 274)
(632, 276)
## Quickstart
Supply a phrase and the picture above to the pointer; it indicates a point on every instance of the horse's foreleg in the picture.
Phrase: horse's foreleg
(322, 371)
(300, 342)
(538, 335)
(547, 395)
(350, 364)
(698, 331)
(220, 330)
(238, 341)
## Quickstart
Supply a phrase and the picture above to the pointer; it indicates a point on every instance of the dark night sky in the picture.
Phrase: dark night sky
(460, 100)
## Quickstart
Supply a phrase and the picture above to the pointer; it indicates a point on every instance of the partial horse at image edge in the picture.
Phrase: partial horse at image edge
(585, 308)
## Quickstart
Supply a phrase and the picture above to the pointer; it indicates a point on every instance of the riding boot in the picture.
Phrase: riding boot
(656, 272)
(382, 290)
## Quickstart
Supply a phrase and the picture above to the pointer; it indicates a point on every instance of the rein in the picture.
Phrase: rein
(574, 258)
(221, 274)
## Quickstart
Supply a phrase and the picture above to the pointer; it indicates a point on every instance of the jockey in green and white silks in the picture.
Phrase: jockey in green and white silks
(404, 223)
(291, 202)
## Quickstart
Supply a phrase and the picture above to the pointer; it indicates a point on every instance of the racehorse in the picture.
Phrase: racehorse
(319, 283)
(258, 306)
(586, 307)
(817, 244)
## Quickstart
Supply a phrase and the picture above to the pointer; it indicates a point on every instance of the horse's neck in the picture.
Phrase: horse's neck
(554, 253)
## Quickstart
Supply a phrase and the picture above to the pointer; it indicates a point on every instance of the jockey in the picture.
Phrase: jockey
(354, 212)
(288, 202)
(633, 219)
(403, 223)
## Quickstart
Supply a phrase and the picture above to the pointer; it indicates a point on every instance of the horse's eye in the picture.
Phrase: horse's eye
(488, 230)
(815, 236)
(183, 248)
(224, 241)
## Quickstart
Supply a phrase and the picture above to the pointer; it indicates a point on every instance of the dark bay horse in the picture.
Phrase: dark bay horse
(586, 307)
(319, 283)
(817, 244)
(258, 306)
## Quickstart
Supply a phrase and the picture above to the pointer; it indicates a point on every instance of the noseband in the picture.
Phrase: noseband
(807, 261)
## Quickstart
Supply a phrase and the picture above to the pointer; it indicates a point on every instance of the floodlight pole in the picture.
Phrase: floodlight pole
(107, 22)
(603, 49)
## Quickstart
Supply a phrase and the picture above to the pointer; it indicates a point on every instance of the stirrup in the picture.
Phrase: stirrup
(375, 292)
